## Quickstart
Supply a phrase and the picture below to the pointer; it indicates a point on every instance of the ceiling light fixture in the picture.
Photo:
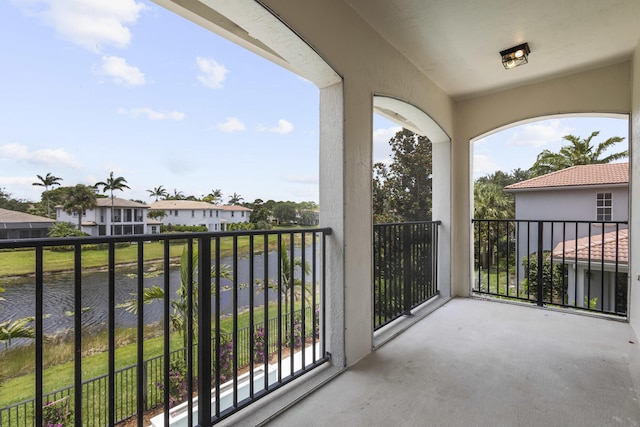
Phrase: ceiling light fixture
(515, 56)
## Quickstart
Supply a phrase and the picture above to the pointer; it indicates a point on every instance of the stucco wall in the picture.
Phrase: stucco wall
(634, 146)
(570, 205)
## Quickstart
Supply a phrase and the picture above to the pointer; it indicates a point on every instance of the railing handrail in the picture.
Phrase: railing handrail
(62, 241)
(437, 222)
(550, 220)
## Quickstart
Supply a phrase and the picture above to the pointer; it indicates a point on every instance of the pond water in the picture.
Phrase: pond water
(19, 295)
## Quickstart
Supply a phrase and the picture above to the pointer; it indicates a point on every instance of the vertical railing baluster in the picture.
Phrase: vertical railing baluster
(265, 278)
(39, 334)
(77, 333)
(140, 399)
(540, 263)
(291, 308)
(204, 330)
(167, 342)
(406, 270)
(235, 320)
(190, 335)
(112, 334)
(251, 316)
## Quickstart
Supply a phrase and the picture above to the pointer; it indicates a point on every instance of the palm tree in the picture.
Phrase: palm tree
(235, 199)
(288, 281)
(118, 183)
(177, 195)
(78, 199)
(180, 312)
(157, 192)
(214, 197)
(577, 152)
(46, 182)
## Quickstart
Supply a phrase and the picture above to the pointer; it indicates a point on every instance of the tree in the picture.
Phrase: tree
(285, 212)
(156, 214)
(288, 282)
(7, 202)
(214, 197)
(177, 195)
(403, 189)
(111, 184)
(179, 305)
(78, 199)
(19, 328)
(577, 152)
(158, 192)
(490, 199)
(235, 199)
(46, 182)
(260, 215)
(64, 229)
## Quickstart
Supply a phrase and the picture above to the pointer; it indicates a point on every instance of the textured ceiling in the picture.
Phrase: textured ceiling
(456, 42)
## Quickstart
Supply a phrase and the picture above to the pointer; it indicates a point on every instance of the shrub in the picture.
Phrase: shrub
(58, 413)
(554, 285)
(259, 345)
(177, 382)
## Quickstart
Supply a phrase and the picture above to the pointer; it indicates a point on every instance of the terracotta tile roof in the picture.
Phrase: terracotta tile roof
(611, 173)
(234, 208)
(597, 245)
(7, 216)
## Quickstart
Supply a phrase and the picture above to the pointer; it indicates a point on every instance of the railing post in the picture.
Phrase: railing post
(540, 263)
(407, 270)
(204, 331)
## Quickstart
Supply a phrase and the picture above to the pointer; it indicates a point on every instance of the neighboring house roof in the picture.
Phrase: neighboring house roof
(119, 203)
(7, 217)
(234, 208)
(594, 247)
(153, 222)
(613, 174)
(191, 204)
(181, 204)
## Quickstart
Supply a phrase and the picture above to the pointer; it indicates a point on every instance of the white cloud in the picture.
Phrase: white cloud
(539, 134)
(152, 114)
(89, 24)
(58, 157)
(284, 127)
(484, 164)
(211, 74)
(233, 124)
(381, 146)
(121, 72)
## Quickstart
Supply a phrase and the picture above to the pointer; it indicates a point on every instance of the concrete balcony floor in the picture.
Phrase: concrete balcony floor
(484, 363)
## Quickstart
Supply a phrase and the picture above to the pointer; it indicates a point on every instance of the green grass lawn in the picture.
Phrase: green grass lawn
(17, 365)
(19, 263)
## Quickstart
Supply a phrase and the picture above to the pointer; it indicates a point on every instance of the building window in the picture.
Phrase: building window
(193, 213)
(603, 206)
(210, 214)
(204, 213)
(232, 214)
(217, 214)
(242, 214)
(175, 212)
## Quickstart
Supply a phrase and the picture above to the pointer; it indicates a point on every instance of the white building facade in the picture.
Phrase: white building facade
(129, 218)
(196, 213)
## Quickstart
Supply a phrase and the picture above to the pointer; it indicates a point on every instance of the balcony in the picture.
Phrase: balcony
(486, 363)
(470, 361)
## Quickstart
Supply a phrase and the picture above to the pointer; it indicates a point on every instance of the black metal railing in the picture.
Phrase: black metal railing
(572, 264)
(21, 414)
(405, 260)
(284, 275)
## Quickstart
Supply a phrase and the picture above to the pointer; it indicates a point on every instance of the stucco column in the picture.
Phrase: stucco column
(345, 201)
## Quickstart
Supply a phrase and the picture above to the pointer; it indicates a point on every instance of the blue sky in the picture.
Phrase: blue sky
(127, 86)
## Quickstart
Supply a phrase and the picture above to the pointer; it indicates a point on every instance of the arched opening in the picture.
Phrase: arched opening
(410, 209)
(551, 208)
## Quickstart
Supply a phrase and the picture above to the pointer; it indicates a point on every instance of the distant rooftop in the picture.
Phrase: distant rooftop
(192, 204)
(575, 176)
(7, 216)
(119, 203)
